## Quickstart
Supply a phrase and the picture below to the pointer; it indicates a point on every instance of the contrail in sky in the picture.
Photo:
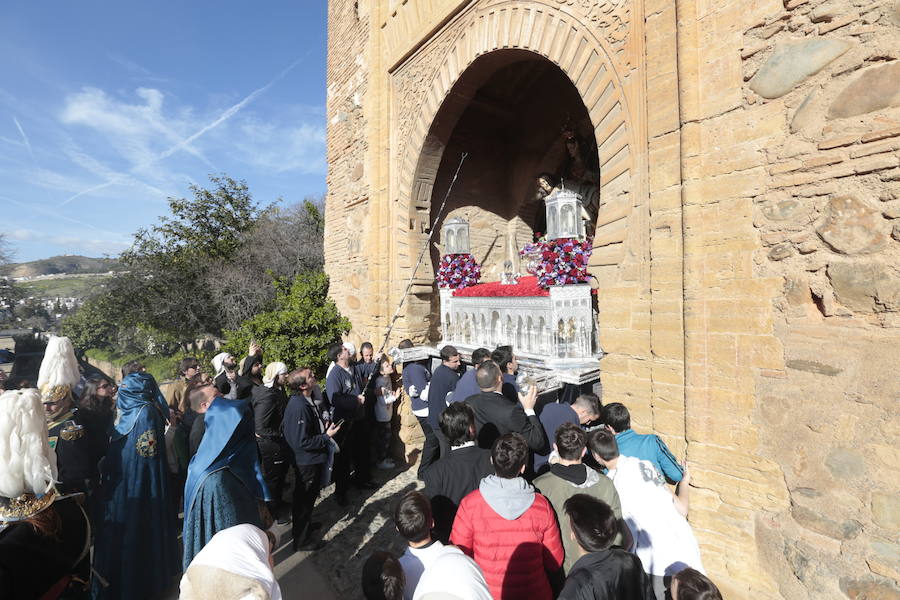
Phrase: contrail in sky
(183, 144)
(56, 215)
(24, 138)
(231, 111)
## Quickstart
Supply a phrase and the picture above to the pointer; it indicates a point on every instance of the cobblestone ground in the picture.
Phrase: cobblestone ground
(359, 529)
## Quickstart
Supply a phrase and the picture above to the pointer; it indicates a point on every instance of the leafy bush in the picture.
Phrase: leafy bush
(163, 368)
(299, 329)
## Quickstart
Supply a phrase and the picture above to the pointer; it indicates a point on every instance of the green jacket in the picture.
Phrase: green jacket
(557, 490)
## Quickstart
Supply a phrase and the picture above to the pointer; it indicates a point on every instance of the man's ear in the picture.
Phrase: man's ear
(522, 470)
(555, 449)
(583, 452)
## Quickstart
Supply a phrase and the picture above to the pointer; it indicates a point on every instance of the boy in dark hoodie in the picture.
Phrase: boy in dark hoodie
(510, 530)
(602, 571)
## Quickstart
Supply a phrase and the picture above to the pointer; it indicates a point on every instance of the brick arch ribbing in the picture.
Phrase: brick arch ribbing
(584, 58)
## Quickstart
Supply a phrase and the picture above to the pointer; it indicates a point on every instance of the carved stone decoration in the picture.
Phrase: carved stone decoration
(586, 40)
(613, 18)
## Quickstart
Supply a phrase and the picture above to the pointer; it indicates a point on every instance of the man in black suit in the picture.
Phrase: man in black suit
(495, 415)
(443, 382)
(453, 476)
(308, 436)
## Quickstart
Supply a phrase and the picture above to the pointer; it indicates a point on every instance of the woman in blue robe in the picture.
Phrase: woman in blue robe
(136, 552)
(224, 483)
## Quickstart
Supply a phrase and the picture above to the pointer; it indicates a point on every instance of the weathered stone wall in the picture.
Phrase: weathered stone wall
(349, 189)
(747, 246)
(823, 77)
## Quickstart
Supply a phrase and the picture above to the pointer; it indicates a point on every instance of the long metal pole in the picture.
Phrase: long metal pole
(412, 276)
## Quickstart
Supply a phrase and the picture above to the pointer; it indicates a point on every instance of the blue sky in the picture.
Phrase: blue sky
(107, 108)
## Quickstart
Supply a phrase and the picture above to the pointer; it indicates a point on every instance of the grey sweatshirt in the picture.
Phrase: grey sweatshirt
(509, 498)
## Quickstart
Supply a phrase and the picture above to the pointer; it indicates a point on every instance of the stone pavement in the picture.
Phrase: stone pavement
(356, 530)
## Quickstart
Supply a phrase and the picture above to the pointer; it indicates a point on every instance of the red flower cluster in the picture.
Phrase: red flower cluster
(527, 286)
(563, 261)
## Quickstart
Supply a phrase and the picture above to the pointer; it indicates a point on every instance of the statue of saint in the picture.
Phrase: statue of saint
(577, 176)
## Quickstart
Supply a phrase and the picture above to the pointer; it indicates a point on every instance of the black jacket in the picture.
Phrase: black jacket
(269, 405)
(73, 456)
(31, 563)
(222, 383)
(443, 381)
(448, 480)
(495, 415)
(243, 381)
(302, 432)
(198, 428)
(611, 574)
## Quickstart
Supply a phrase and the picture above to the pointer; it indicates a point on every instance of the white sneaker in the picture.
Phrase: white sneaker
(386, 464)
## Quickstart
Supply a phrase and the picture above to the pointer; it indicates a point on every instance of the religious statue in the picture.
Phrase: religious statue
(577, 176)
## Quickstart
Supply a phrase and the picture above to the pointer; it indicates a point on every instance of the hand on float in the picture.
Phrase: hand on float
(530, 399)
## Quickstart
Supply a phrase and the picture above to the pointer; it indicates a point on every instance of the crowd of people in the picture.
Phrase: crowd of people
(559, 499)
(117, 491)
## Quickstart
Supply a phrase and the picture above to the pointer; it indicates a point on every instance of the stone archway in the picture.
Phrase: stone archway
(430, 94)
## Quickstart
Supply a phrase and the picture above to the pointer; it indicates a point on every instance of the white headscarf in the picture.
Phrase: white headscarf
(242, 550)
(218, 363)
(273, 370)
(27, 463)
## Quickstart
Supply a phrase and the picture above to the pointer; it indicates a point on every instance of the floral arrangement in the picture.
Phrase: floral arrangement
(558, 262)
(527, 286)
(458, 271)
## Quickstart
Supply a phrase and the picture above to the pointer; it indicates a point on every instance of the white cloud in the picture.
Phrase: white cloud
(22, 235)
(279, 149)
(142, 135)
(70, 244)
(136, 130)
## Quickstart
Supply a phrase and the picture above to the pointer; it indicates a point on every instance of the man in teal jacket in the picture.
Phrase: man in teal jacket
(645, 447)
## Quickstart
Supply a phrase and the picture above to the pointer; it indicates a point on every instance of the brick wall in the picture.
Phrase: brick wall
(750, 243)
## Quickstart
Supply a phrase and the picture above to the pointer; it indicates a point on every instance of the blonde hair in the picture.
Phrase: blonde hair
(30, 463)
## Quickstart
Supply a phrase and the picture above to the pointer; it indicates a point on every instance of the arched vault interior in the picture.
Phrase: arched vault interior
(507, 111)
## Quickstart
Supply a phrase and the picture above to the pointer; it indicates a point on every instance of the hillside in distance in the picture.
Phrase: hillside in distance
(60, 265)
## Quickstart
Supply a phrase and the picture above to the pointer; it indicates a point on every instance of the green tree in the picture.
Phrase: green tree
(169, 263)
(93, 325)
(299, 329)
(284, 242)
(10, 293)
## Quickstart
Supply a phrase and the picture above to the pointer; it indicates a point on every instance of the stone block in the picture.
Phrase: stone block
(862, 589)
(852, 228)
(845, 463)
(845, 530)
(790, 64)
(837, 23)
(886, 510)
(838, 141)
(781, 252)
(865, 287)
(880, 134)
(826, 12)
(874, 89)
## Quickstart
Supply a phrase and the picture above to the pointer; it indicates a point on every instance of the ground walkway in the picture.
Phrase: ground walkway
(357, 530)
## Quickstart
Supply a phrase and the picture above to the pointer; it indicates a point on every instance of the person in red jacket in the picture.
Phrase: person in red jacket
(509, 529)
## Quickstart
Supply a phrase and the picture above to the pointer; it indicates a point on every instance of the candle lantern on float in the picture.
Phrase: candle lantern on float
(564, 215)
(456, 236)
